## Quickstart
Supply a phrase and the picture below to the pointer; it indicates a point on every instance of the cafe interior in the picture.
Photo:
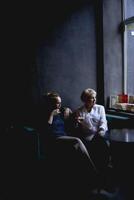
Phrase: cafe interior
(65, 46)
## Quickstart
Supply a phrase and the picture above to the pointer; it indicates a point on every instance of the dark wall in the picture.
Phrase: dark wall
(54, 47)
(66, 57)
(112, 40)
(49, 46)
(18, 42)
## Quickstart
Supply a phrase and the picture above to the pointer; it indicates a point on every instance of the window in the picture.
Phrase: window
(128, 24)
(129, 56)
(125, 100)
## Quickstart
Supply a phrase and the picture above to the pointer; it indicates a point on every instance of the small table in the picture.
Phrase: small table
(121, 135)
(122, 149)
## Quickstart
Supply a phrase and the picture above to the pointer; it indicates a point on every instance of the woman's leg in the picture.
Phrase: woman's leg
(73, 166)
(79, 163)
(99, 152)
(76, 145)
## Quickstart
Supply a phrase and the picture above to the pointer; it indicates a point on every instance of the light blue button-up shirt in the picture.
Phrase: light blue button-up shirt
(94, 121)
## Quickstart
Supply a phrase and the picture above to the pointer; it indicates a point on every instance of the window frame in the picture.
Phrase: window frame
(125, 73)
(125, 22)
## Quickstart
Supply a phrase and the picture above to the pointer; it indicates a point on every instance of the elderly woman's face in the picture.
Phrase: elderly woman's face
(90, 101)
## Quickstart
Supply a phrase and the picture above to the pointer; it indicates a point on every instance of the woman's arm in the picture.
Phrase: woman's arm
(52, 114)
(103, 122)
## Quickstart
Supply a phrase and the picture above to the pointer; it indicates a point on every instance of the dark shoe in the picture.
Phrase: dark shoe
(98, 197)
(109, 193)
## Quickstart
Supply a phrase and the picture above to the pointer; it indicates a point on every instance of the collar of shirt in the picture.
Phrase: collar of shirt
(83, 109)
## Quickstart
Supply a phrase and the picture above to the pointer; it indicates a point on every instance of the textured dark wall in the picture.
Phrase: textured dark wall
(66, 58)
(45, 52)
(113, 70)
(49, 46)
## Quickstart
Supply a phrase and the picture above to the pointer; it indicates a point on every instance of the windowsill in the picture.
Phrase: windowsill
(119, 119)
(118, 112)
(128, 107)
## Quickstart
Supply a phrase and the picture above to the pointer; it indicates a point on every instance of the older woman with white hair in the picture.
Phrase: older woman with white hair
(91, 126)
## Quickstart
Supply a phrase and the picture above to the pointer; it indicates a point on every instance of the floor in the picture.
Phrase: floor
(34, 181)
(119, 190)
(37, 189)
(24, 180)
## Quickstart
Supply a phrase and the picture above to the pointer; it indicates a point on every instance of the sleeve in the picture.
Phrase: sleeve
(103, 122)
(71, 124)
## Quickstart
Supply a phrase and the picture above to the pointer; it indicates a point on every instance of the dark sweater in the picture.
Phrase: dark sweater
(57, 128)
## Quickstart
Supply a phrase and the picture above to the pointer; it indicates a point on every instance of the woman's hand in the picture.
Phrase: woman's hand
(52, 114)
(78, 118)
(67, 113)
(55, 112)
(82, 123)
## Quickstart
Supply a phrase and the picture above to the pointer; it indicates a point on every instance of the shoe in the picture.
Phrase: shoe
(96, 196)
(109, 193)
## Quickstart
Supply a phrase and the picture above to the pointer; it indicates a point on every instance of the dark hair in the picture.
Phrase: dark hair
(51, 96)
(48, 99)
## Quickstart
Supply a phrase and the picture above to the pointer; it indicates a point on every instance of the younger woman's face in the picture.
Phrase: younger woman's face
(57, 103)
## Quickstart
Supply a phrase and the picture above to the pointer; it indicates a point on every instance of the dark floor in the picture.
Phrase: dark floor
(118, 194)
(34, 181)
(21, 179)
(118, 187)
